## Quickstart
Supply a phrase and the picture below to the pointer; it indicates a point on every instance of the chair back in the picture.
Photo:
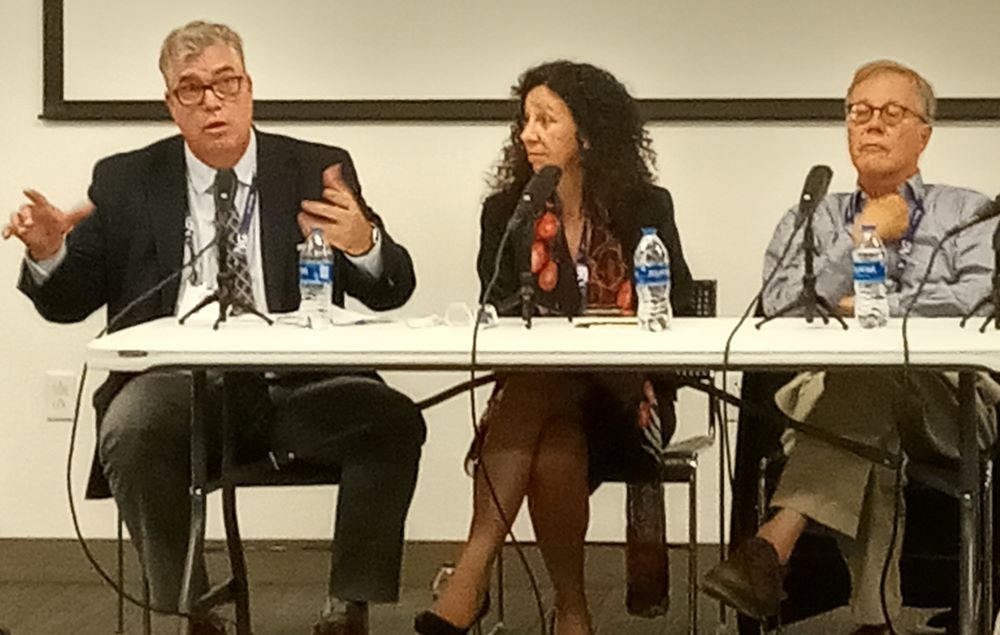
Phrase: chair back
(703, 295)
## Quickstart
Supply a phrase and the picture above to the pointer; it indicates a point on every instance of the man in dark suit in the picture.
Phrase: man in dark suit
(152, 209)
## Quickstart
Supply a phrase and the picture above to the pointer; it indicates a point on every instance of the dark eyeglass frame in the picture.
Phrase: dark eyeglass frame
(885, 113)
(224, 88)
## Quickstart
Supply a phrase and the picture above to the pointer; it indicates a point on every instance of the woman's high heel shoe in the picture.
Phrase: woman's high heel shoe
(430, 623)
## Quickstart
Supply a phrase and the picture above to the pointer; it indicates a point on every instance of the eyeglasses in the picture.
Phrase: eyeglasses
(891, 113)
(193, 93)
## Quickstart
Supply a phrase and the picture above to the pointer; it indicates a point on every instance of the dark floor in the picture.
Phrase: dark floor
(47, 588)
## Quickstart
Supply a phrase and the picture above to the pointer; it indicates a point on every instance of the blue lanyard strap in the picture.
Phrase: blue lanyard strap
(249, 208)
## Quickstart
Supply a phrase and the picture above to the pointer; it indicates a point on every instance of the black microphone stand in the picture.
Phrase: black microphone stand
(812, 304)
(527, 297)
(991, 299)
(224, 293)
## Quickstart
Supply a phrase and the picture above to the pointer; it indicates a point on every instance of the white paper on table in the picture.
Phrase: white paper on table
(343, 317)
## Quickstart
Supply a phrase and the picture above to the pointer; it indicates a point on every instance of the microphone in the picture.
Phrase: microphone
(535, 193)
(538, 190)
(816, 185)
(986, 212)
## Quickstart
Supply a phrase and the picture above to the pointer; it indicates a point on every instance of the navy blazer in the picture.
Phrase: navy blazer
(135, 239)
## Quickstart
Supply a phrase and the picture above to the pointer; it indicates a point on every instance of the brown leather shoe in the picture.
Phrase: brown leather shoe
(750, 580)
(350, 619)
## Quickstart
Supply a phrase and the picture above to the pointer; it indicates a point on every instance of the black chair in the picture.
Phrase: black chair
(233, 475)
(931, 542)
(645, 507)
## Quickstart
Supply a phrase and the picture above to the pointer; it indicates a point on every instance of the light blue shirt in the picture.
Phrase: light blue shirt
(962, 270)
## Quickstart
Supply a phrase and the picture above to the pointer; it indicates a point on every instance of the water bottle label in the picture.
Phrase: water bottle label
(873, 271)
(315, 273)
(652, 274)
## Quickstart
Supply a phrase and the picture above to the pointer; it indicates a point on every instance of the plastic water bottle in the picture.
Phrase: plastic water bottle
(316, 279)
(652, 281)
(871, 304)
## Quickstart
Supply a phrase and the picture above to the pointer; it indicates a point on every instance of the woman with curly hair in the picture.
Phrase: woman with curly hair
(548, 437)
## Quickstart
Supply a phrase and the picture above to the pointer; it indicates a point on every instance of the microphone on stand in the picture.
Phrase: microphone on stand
(813, 191)
(534, 195)
(532, 199)
(992, 298)
(811, 303)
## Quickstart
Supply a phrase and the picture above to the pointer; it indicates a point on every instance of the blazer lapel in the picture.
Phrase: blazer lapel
(167, 206)
(278, 178)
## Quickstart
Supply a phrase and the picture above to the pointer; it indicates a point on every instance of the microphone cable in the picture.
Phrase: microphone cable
(897, 508)
(743, 318)
(476, 428)
(74, 517)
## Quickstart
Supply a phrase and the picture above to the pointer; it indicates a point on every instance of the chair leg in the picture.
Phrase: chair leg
(500, 588)
(120, 546)
(237, 561)
(723, 445)
(693, 550)
(498, 627)
(986, 529)
(147, 613)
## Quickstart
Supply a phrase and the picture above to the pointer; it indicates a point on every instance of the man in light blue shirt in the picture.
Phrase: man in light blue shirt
(890, 110)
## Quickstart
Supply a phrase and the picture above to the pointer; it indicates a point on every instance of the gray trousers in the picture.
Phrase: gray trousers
(855, 497)
(359, 427)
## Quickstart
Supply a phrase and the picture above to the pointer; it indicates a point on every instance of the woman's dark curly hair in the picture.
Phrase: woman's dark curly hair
(616, 153)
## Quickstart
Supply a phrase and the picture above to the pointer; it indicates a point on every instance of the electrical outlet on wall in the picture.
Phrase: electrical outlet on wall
(60, 395)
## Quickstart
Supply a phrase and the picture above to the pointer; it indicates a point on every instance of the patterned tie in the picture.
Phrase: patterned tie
(247, 402)
(228, 221)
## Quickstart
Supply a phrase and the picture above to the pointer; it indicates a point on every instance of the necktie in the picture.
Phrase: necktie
(247, 401)
(228, 221)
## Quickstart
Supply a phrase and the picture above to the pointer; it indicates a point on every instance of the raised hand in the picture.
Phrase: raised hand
(42, 226)
(338, 214)
(890, 214)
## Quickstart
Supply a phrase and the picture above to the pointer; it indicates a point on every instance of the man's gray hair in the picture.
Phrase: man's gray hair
(191, 40)
(921, 85)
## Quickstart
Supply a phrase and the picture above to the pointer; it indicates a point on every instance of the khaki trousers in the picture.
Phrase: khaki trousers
(852, 495)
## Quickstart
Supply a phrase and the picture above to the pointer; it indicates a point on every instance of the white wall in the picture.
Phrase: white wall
(730, 183)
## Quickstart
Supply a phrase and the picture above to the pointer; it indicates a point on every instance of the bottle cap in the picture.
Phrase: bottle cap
(646, 231)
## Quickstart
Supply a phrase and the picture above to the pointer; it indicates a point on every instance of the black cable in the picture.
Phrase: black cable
(729, 340)
(739, 323)
(508, 523)
(897, 511)
(88, 554)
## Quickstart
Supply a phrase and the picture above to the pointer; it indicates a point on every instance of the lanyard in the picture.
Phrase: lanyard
(249, 208)
(242, 232)
(580, 262)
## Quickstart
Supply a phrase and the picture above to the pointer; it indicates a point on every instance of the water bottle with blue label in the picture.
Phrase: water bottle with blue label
(652, 282)
(871, 300)
(316, 279)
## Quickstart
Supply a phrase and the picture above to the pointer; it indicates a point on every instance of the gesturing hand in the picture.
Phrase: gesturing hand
(339, 215)
(42, 226)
